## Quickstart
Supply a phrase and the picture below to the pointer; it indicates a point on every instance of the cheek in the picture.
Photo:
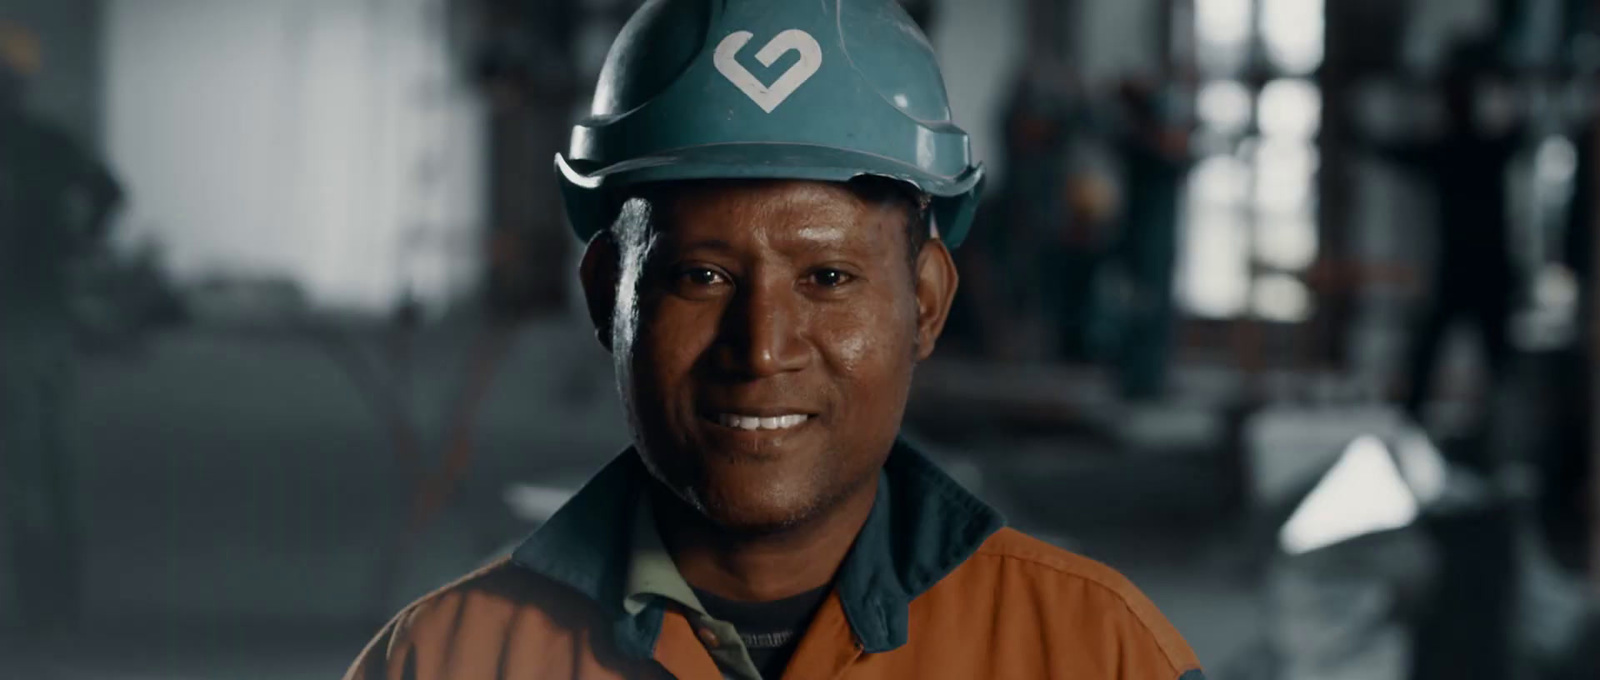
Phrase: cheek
(870, 347)
(672, 337)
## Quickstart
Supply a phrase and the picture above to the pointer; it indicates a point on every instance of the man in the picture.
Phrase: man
(756, 182)
(55, 203)
(1154, 145)
(1475, 277)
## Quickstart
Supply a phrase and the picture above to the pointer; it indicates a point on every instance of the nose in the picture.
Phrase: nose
(762, 333)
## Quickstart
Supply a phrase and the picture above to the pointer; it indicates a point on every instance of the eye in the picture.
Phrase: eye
(703, 276)
(830, 278)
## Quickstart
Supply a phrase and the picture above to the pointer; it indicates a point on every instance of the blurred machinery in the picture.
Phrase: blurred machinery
(1383, 560)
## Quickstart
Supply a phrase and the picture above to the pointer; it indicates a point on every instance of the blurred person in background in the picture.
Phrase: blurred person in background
(56, 199)
(1474, 278)
(1087, 319)
(768, 260)
(55, 205)
(1001, 304)
(1051, 214)
(1154, 146)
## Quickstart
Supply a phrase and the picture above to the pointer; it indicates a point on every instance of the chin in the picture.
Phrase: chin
(762, 521)
(757, 506)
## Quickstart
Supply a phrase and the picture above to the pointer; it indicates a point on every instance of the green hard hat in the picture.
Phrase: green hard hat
(786, 89)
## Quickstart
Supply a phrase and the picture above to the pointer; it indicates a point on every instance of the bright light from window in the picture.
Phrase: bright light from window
(1363, 493)
(1219, 181)
(1284, 174)
(1290, 108)
(1281, 298)
(1224, 105)
(1292, 31)
(1222, 23)
(1288, 242)
(1555, 286)
(1214, 275)
(1556, 160)
(1222, 34)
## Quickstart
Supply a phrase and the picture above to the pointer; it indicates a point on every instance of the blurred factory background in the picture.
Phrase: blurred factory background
(1282, 307)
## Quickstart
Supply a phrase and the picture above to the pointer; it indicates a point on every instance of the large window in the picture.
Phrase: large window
(1250, 230)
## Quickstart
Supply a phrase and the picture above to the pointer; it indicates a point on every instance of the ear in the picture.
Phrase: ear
(599, 273)
(936, 291)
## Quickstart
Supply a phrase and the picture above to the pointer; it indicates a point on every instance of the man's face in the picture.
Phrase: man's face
(765, 335)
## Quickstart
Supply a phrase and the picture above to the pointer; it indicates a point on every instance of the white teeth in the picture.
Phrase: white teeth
(756, 423)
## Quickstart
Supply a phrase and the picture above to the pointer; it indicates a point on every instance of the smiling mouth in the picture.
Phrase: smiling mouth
(759, 423)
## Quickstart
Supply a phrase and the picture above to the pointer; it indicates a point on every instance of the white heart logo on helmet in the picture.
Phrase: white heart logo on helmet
(769, 97)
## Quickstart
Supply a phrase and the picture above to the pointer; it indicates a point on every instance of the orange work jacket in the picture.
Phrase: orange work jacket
(934, 587)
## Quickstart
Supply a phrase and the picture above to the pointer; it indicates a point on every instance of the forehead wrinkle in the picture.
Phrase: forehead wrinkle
(822, 224)
(817, 235)
(774, 217)
(822, 234)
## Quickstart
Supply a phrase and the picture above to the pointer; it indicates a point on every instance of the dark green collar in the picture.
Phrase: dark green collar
(922, 526)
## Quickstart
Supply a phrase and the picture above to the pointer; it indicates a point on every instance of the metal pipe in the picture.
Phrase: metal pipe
(1593, 345)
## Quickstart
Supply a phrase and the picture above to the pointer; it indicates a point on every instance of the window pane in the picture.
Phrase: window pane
(1214, 273)
(1219, 182)
(1292, 31)
(1290, 109)
(1556, 160)
(1222, 32)
(1224, 106)
(1222, 23)
(1286, 242)
(1280, 297)
(1284, 173)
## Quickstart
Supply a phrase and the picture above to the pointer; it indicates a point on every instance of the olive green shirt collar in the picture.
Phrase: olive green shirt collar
(652, 575)
(651, 571)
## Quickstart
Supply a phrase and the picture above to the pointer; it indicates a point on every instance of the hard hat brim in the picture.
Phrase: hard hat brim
(591, 193)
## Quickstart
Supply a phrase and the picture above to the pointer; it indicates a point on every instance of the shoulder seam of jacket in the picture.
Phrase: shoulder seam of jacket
(1066, 570)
